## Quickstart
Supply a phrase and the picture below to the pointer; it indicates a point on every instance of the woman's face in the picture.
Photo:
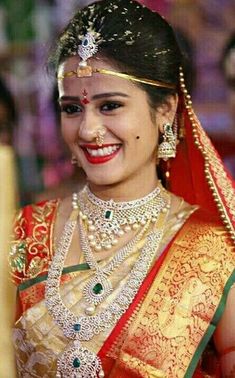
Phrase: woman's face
(118, 108)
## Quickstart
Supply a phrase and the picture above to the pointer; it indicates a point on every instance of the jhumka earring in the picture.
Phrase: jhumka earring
(99, 139)
(167, 149)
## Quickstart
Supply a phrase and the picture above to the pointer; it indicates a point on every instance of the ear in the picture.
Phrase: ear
(165, 113)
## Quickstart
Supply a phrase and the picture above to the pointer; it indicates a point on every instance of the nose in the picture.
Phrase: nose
(89, 126)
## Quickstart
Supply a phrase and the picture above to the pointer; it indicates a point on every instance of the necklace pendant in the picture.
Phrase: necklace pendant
(78, 362)
(108, 215)
(97, 289)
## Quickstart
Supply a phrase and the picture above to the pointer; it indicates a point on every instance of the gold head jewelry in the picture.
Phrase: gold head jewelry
(88, 71)
(88, 48)
(99, 139)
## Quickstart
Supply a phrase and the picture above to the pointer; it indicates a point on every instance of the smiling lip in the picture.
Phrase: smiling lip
(99, 159)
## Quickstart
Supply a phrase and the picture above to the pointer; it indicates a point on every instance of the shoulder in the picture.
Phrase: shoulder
(31, 245)
(203, 222)
(207, 239)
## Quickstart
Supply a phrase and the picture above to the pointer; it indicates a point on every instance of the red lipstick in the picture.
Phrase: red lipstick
(99, 159)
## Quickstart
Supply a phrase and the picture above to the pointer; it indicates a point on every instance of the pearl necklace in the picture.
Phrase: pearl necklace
(107, 221)
(77, 361)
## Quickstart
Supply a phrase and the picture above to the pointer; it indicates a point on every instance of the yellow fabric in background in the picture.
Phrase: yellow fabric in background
(7, 292)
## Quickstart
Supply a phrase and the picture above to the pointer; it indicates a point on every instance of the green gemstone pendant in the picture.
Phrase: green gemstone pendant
(108, 215)
(98, 289)
(76, 363)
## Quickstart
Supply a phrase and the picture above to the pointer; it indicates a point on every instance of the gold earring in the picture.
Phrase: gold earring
(99, 139)
(167, 149)
(74, 160)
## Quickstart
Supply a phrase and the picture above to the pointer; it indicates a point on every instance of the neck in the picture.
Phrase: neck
(126, 191)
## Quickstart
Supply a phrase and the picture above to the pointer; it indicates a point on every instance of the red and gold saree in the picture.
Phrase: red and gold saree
(167, 327)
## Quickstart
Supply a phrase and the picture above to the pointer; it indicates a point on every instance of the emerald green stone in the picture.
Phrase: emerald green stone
(168, 127)
(77, 327)
(76, 363)
(98, 288)
(108, 214)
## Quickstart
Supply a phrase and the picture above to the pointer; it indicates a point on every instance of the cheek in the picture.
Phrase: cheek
(68, 131)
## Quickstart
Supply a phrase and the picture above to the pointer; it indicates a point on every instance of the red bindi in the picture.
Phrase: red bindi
(85, 100)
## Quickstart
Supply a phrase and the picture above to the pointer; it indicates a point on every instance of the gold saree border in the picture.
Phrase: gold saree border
(187, 298)
(211, 328)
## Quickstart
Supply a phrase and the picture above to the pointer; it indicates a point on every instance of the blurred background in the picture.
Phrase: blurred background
(29, 120)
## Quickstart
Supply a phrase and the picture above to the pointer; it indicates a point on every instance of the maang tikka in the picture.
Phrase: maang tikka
(167, 148)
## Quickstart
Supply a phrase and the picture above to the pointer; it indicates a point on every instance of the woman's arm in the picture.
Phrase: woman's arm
(225, 337)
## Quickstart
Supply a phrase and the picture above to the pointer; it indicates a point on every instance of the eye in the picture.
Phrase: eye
(70, 109)
(109, 106)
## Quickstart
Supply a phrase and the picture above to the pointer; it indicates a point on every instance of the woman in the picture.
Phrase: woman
(145, 271)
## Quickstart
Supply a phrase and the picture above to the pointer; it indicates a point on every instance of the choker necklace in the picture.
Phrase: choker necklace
(106, 221)
(77, 361)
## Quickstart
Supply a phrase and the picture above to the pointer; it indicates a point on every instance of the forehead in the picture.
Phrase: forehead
(97, 82)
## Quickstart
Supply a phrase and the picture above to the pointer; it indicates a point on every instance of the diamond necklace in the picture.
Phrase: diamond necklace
(99, 287)
(109, 220)
(77, 361)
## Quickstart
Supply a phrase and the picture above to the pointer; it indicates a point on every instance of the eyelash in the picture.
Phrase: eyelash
(111, 105)
(71, 109)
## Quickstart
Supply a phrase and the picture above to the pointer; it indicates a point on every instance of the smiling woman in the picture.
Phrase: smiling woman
(121, 114)
(130, 276)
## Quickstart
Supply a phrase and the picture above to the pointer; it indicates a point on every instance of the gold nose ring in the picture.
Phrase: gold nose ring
(99, 139)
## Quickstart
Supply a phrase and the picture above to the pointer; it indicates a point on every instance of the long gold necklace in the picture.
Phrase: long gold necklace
(77, 361)
(99, 286)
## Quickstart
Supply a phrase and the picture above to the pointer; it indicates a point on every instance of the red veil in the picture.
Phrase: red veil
(197, 173)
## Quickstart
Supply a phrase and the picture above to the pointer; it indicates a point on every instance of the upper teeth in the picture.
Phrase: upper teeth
(103, 151)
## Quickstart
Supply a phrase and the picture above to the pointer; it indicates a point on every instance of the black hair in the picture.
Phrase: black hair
(136, 40)
(7, 100)
(188, 62)
(8, 124)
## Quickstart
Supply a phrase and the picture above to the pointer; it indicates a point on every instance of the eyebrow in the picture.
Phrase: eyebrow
(95, 97)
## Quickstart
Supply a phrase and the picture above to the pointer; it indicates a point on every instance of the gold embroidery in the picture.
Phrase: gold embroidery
(144, 370)
(182, 301)
(31, 249)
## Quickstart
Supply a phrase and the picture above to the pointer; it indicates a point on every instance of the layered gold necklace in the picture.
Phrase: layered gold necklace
(76, 361)
(107, 221)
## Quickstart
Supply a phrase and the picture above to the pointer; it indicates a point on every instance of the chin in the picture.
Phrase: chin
(103, 179)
